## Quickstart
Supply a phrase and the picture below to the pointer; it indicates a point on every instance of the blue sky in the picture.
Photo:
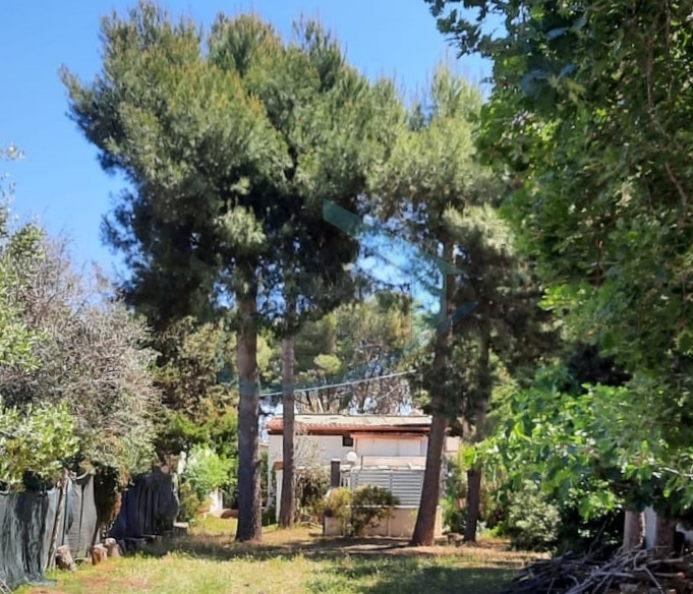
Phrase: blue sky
(60, 181)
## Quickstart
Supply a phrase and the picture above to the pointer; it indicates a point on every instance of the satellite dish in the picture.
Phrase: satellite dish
(351, 457)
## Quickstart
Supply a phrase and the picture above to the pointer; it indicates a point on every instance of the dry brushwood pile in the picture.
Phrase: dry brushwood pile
(635, 572)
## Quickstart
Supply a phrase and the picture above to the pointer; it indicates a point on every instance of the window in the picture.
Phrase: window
(347, 441)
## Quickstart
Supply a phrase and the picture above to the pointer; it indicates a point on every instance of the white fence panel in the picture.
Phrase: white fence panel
(406, 485)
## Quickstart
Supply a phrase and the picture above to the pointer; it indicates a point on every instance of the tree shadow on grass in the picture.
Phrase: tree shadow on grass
(225, 548)
(362, 566)
(409, 575)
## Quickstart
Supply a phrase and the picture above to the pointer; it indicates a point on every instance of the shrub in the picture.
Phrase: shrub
(206, 471)
(40, 438)
(602, 532)
(532, 522)
(312, 484)
(338, 505)
(359, 509)
(454, 517)
(189, 504)
(370, 505)
(491, 510)
(269, 516)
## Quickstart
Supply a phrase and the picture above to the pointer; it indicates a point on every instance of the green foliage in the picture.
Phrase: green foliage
(109, 483)
(312, 483)
(265, 476)
(232, 139)
(596, 149)
(589, 450)
(17, 339)
(369, 506)
(246, 135)
(205, 471)
(354, 341)
(567, 441)
(603, 531)
(532, 522)
(455, 491)
(38, 439)
(491, 508)
(338, 505)
(190, 503)
(66, 341)
(363, 508)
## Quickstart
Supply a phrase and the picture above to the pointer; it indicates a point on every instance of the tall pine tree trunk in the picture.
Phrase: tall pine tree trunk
(474, 475)
(249, 489)
(288, 500)
(424, 528)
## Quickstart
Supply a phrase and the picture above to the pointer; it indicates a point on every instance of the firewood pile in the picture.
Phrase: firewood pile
(635, 572)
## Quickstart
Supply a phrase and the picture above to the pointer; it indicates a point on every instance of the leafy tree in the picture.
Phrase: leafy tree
(16, 340)
(37, 440)
(205, 471)
(74, 381)
(582, 444)
(89, 357)
(589, 118)
(322, 111)
(353, 349)
(231, 141)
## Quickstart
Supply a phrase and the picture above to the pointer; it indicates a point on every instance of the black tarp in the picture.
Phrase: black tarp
(26, 527)
(27, 519)
(82, 521)
(149, 504)
(26, 524)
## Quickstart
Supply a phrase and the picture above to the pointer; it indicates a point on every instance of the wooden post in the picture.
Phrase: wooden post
(52, 550)
(335, 473)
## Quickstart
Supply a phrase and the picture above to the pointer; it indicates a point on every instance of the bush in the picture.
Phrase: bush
(532, 522)
(338, 505)
(40, 438)
(491, 510)
(189, 504)
(603, 532)
(312, 484)
(454, 517)
(269, 516)
(206, 471)
(370, 505)
(359, 509)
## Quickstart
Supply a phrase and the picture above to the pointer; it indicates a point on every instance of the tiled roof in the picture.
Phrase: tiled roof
(341, 423)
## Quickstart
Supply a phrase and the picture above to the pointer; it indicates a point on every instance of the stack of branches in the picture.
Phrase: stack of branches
(633, 572)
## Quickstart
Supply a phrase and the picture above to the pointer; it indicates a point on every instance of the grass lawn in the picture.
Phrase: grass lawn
(293, 562)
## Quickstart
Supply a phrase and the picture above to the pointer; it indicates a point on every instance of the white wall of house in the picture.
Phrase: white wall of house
(328, 447)
(452, 445)
(390, 445)
(217, 502)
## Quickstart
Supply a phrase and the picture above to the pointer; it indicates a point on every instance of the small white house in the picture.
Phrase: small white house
(387, 451)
